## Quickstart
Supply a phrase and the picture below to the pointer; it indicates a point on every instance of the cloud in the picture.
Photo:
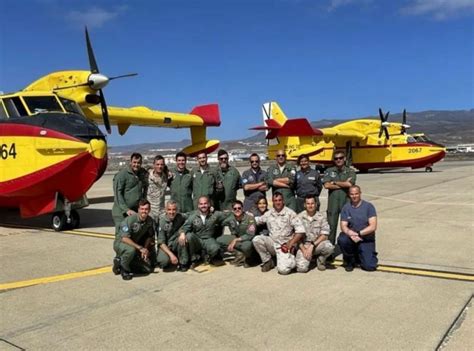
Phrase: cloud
(94, 17)
(439, 9)
(336, 4)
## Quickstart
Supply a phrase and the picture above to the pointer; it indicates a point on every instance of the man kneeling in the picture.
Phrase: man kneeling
(133, 243)
(316, 241)
(172, 245)
(358, 225)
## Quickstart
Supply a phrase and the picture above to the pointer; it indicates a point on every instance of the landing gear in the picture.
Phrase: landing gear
(428, 169)
(75, 219)
(58, 221)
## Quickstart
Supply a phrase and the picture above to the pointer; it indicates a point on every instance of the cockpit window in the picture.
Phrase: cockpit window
(410, 139)
(3, 113)
(71, 106)
(15, 107)
(38, 104)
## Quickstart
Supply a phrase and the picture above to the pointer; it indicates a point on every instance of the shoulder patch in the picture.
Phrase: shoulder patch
(125, 228)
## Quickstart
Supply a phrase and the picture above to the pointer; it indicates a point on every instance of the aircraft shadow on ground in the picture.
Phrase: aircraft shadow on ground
(90, 218)
(385, 171)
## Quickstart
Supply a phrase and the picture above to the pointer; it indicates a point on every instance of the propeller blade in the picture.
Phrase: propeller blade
(72, 86)
(381, 114)
(386, 116)
(380, 131)
(90, 53)
(105, 113)
(404, 116)
(124, 76)
(386, 133)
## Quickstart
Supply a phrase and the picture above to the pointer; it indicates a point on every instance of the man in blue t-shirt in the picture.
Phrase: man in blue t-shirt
(358, 225)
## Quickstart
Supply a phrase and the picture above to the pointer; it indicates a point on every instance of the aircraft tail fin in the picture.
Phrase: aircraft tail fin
(271, 110)
(199, 143)
(209, 114)
(278, 125)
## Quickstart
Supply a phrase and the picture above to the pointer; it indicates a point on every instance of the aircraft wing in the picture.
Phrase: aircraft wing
(200, 116)
(338, 133)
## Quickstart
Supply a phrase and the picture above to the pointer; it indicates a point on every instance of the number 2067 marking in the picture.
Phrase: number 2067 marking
(414, 150)
(7, 151)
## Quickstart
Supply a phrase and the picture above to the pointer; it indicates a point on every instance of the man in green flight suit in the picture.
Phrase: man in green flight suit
(201, 224)
(170, 243)
(242, 230)
(227, 183)
(203, 180)
(281, 178)
(129, 187)
(182, 184)
(337, 180)
(134, 243)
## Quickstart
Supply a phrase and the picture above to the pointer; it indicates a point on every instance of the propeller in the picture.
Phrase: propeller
(97, 81)
(405, 126)
(384, 124)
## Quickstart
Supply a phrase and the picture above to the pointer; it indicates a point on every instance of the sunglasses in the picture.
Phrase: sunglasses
(254, 161)
(338, 158)
(237, 208)
(223, 158)
(281, 155)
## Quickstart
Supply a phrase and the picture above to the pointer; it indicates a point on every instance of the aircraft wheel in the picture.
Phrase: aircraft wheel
(428, 169)
(58, 221)
(75, 219)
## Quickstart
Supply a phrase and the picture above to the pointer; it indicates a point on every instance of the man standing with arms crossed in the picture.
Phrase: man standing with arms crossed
(129, 187)
(182, 184)
(156, 187)
(204, 180)
(281, 178)
(337, 180)
(254, 182)
(227, 183)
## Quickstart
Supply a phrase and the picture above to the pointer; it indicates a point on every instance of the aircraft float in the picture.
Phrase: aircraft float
(369, 143)
(52, 151)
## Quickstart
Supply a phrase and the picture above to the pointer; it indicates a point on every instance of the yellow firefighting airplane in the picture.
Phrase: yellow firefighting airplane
(369, 143)
(52, 150)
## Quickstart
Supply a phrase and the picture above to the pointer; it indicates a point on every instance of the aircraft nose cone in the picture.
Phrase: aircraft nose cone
(97, 148)
(98, 81)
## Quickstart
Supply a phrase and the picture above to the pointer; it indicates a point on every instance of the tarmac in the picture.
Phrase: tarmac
(57, 290)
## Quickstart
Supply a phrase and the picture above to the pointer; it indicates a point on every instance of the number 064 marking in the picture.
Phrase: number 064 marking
(7, 151)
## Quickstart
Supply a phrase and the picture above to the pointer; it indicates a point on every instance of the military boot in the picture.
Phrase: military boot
(239, 259)
(268, 266)
(116, 266)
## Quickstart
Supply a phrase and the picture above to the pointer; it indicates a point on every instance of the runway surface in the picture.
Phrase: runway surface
(57, 290)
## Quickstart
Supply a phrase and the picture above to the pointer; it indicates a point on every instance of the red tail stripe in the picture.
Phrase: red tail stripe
(209, 114)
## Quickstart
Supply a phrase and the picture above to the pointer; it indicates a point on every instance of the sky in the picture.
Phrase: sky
(317, 58)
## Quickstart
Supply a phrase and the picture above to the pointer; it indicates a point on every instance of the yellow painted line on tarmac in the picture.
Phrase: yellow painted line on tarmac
(55, 278)
(421, 272)
(71, 232)
(427, 273)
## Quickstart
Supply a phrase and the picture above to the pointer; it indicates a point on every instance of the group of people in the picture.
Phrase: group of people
(187, 230)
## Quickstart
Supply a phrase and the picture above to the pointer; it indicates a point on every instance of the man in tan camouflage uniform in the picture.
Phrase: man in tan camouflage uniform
(285, 233)
(156, 187)
(316, 241)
